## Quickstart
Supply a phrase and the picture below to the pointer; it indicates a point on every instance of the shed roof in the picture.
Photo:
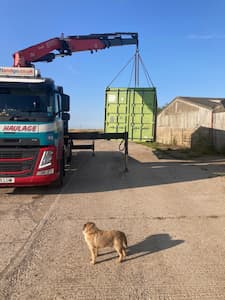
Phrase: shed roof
(210, 103)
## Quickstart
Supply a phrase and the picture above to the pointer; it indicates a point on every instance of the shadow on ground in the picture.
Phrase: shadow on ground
(105, 172)
(149, 245)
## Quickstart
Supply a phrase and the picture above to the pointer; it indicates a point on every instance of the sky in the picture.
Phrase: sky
(182, 45)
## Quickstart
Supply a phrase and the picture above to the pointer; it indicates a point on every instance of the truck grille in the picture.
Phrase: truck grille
(17, 162)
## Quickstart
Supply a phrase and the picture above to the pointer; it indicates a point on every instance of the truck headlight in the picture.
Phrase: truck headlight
(46, 159)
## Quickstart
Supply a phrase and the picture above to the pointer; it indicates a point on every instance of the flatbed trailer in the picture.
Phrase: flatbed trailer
(72, 137)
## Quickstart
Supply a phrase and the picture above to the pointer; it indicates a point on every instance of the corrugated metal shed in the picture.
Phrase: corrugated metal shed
(188, 120)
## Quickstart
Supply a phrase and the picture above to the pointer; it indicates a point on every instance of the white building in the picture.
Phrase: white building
(190, 121)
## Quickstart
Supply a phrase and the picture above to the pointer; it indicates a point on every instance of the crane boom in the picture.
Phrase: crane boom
(67, 45)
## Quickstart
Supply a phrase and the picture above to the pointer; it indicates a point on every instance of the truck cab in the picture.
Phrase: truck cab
(33, 123)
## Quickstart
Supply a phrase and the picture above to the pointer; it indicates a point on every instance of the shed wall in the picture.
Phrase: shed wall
(219, 131)
(183, 115)
(177, 123)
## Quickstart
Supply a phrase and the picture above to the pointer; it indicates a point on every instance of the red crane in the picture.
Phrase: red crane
(67, 45)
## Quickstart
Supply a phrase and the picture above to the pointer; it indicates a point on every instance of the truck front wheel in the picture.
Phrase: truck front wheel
(59, 181)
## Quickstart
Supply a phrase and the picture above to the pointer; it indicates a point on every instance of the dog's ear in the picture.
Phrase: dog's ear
(88, 225)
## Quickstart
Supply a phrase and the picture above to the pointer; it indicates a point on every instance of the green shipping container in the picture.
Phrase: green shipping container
(132, 110)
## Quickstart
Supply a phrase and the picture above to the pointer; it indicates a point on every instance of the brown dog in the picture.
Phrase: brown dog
(96, 238)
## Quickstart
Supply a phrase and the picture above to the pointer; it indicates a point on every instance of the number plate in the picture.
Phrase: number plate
(7, 180)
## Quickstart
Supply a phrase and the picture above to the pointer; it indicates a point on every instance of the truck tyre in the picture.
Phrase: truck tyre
(59, 182)
(69, 158)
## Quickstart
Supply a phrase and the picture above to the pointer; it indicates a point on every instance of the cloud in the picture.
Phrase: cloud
(206, 36)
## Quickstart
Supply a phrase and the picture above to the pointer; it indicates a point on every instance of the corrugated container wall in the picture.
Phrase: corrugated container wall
(133, 110)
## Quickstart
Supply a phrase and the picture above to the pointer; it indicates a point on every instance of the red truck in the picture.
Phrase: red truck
(34, 112)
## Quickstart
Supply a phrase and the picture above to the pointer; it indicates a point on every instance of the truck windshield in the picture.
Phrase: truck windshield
(18, 104)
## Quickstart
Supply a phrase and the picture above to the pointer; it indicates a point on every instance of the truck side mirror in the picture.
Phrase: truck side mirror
(65, 116)
(65, 102)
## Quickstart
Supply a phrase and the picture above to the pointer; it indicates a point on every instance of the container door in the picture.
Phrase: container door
(149, 113)
(142, 103)
(132, 110)
(116, 110)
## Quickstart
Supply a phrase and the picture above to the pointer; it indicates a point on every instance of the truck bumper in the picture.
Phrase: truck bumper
(29, 167)
(30, 181)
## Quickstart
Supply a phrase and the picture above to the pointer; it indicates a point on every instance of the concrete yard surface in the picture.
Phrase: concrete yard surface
(172, 211)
